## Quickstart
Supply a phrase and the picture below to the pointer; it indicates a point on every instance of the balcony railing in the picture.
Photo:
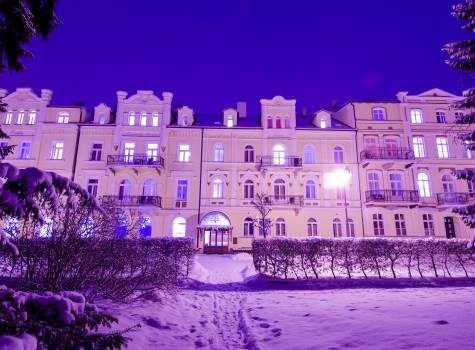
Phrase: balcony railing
(142, 160)
(452, 198)
(385, 153)
(279, 162)
(392, 196)
(291, 201)
(155, 201)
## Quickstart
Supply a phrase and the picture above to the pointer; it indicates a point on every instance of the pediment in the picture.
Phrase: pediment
(22, 95)
(436, 92)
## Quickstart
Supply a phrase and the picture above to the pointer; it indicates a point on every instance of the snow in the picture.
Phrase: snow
(23, 342)
(228, 306)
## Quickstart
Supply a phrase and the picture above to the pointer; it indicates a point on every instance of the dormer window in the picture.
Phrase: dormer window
(21, 116)
(155, 120)
(8, 117)
(185, 120)
(32, 118)
(379, 114)
(131, 120)
(323, 123)
(143, 119)
(229, 121)
(63, 118)
(102, 119)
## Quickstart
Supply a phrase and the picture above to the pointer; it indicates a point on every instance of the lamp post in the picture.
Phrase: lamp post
(339, 178)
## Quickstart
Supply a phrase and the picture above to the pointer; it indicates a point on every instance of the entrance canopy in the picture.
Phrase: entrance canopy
(215, 219)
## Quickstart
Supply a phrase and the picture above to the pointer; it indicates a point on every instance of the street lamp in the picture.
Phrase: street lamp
(339, 178)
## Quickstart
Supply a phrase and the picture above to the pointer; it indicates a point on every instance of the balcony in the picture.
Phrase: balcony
(385, 153)
(135, 161)
(285, 201)
(392, 196)
(133, 201)
(452, 198)
(279, 162)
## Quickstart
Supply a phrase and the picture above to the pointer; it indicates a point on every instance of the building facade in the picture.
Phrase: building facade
(384, 168)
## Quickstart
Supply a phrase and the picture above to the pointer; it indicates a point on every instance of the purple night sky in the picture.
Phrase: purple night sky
(212, 53)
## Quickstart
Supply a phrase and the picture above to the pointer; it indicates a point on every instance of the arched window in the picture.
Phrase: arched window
(218, 152)
(217, 188)
(148, 188)
(312, 228)
(249, 189)
(179, 227)
(350, 228)
(423, 185)
(269, 122)
(145, 227)
(338, 155)
(337, 232)
(248, 227)
(310, 190)
(309, 154)
(280, 229)
(124, 189)
(448, 184)
(279, 155)
(279, 189)
(249, 154)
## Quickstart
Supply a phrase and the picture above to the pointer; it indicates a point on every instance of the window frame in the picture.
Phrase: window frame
(416, 116)
(57, 153)
(184, 155)
(378, 224)
(381, 111)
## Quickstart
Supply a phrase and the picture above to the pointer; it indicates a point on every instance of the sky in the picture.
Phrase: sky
(212, 53)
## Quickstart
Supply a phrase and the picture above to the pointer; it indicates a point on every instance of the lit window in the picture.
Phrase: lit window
(32, 118)
(309, 154)
(143, 119)
(102, 119)
(148, 188)
(184, 153)
(182, 190)
(152, 152)
(323, 123)
(416, 116)
(428, 222)
(279, 155)
(467, 152)
(249, 154)
(129, 151)
(131, 120)
(423, 185)
(218, 152)
(179, 227)
(57, 150)
(249, 189)
(248, 227)
(310, 190)
(217, 188)
(337, 231)
(92, 186)
(96, 152)
(418, 146)
(269, 122)
(338, 155)
(442, 147)
(400, 224)
(229, 121)
(280, 229)
(378, 225)
(378, 114)
(155, 119)
(25, 150)
(441, 117)
(21, 116)
(63, 118)
(312, 228)
(8, 117)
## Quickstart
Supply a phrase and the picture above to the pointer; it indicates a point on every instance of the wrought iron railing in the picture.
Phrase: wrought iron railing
(136, 160)
(296, 201)
(284, 162)
(452, 198)
(392, 196)
(155, 201)
(387, 153)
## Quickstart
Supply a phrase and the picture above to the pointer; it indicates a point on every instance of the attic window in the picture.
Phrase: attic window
(185, 120)
(323, 123)
(229, 121)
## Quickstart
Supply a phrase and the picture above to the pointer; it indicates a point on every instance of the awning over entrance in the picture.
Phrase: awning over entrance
(214, 232)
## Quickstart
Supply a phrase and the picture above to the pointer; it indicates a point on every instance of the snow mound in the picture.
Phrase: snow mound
(222, 269)
(242, 257)
(23, 342)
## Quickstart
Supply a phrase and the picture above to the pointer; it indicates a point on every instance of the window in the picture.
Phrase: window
(309, 154)
(280, 227)
(395, 182)
(131, 120)
(371, 146)
(374, 182)
(428, 222)
(229, 121)
(92, 186)
(152, 152)
(378, 114)
(32, 118)
(448, 184)
(143, 119)
(145, 227)
(340, 193)
(63, 118)
(124, 189)
(350, 228)
(217, 188)
(148, 189)
(57, 150)
(287, 122)
(416, 116)
(278, 122)
(279, 189)
(249, 189)
(418, 146)
(337, 232)
(96, 152)
(312, 228)
(310, 190)
(400, 224)
(21, 116)
(218, 152)
(423, 185)
(186, 121)
(323, 123)
(248, 227)
(179, 227)
(442, 147)
(269, 122)
(279, 155)
(182, 190)
(25, 150)
(391, 145)
(184, 153)
(458, 115)
(441, 117)
(378, 225)
(102, 119)
(8, 117)
(155, 119)
(467, 152)
(338, 155)
(129, 150)
(249, 154)
(471, 187)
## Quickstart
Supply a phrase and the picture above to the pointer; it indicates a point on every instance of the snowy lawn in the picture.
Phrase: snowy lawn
(225, 312)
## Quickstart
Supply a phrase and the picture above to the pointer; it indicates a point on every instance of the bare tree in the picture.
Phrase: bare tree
(262, 204)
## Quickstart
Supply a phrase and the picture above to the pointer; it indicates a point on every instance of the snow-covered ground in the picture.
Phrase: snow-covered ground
(226, 308)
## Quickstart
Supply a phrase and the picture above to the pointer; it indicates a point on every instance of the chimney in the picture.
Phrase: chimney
(46, 95)
(121, 96)
(241, 109)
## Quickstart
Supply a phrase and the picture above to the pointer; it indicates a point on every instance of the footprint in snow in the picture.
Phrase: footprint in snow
(352, 309)
(441, 322)
(199, 344)
(257, 318)
(264, 325)
(306, 315)
(192, 329)
(154, 323)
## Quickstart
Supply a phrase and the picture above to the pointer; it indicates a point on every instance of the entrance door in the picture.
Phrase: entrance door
(449, 227)
(215, 241)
